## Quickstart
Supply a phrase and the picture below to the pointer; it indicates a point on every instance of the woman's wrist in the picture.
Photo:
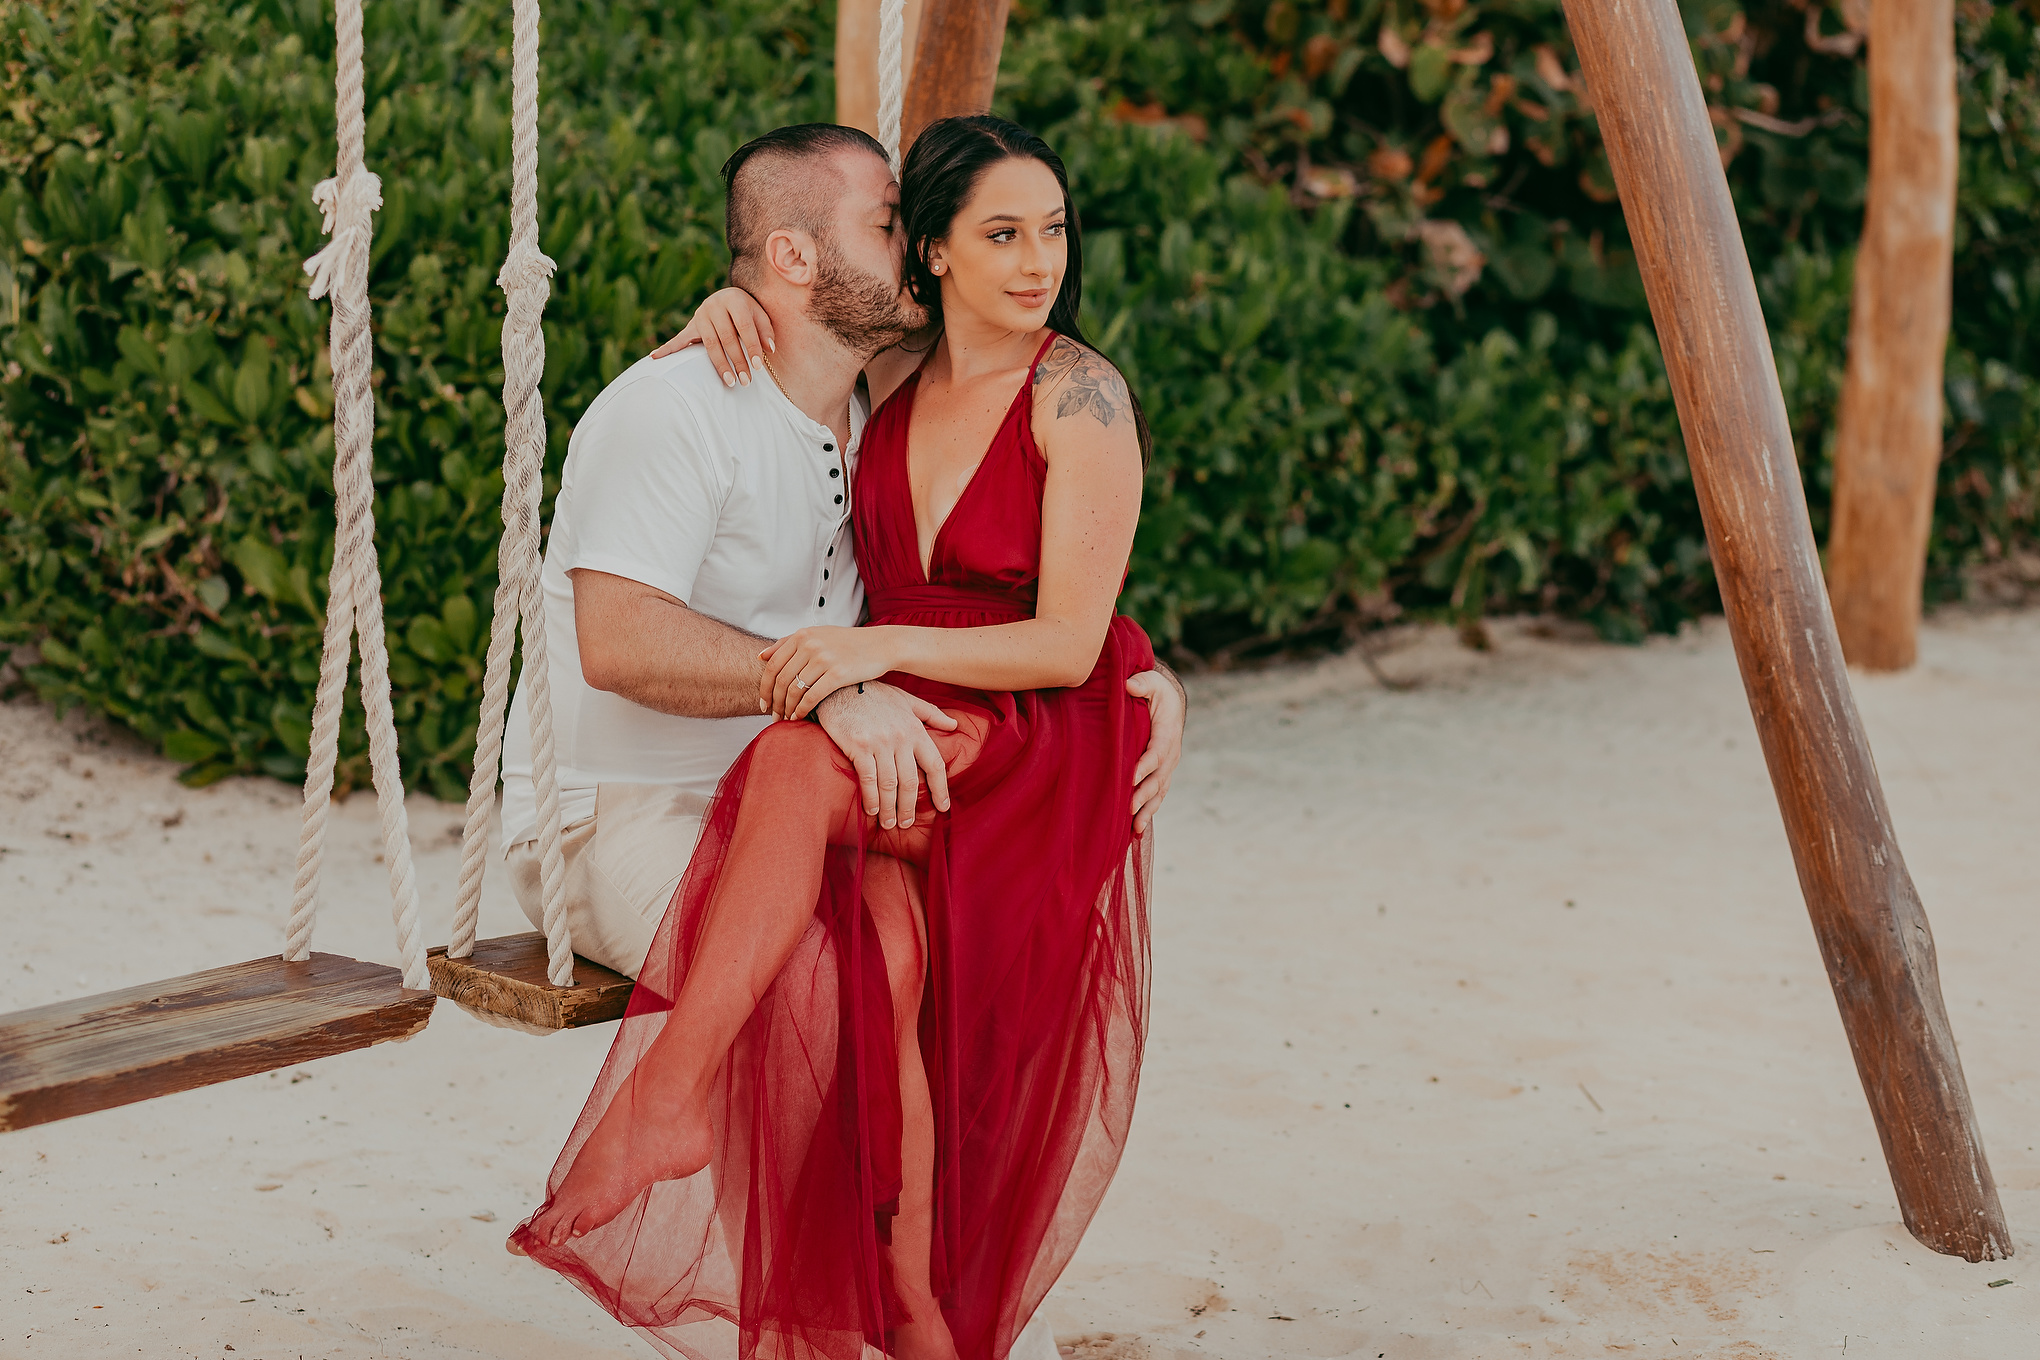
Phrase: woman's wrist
(897, 647)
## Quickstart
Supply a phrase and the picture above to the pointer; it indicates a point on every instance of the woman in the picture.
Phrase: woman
(865, 1134)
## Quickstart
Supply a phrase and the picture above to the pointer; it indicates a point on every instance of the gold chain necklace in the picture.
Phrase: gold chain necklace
(774, 375)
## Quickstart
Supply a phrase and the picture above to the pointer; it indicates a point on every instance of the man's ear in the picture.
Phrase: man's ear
(793, 256)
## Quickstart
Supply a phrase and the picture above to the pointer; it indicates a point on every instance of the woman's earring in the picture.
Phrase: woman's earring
(936, 268)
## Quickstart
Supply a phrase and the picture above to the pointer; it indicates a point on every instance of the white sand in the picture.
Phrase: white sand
(1400, 938)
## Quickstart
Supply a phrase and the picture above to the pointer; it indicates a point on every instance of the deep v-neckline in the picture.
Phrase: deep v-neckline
(907, 457)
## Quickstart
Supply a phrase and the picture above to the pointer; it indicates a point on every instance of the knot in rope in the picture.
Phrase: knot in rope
(348, 208)
(525, 266)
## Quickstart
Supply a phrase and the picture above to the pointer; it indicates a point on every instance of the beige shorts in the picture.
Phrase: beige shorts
(622, 866)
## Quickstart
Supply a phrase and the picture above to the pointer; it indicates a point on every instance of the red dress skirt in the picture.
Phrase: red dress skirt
(1033, 1018)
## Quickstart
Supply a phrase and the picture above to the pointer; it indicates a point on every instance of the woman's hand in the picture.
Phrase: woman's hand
(807, 666)
(734, 330)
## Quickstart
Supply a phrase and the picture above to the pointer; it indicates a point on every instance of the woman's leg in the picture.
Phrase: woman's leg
(800, 797)
(895, 896)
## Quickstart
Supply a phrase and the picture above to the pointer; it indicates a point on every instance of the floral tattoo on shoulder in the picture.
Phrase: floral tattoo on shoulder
(1086, 382)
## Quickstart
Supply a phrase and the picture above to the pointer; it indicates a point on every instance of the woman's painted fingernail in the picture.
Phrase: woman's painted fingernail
(729, 380)
(756, 363)
(772, 345)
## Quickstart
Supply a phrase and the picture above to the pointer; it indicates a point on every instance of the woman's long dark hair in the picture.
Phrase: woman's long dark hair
(942, 171)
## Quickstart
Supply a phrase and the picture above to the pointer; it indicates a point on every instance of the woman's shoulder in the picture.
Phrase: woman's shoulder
(1074, 382)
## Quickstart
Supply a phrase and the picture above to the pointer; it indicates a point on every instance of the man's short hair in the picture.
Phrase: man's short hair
(760, 201)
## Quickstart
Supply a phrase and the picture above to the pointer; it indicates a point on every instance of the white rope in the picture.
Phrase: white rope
(892, 76)
(526, 281)
(354, 597)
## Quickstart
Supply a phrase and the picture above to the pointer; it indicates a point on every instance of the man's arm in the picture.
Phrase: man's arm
(1168, 707)
(644, 645)
(641, 643)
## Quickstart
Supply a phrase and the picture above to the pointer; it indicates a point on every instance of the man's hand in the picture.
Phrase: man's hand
(1167, 705)
(884, 731)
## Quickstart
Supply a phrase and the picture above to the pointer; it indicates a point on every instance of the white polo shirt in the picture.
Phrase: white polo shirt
(730, 499)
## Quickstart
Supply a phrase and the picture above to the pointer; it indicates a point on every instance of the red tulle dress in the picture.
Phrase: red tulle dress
(1031, 1020)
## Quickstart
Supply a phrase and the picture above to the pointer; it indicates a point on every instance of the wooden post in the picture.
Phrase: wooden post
(1866, 914)
(857, 59)
(956, 62)
(1888, 446)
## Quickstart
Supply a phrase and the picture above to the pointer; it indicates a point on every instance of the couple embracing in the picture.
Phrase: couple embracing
(856, 761)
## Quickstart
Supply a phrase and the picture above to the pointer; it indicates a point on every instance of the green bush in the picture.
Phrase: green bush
(1316, 463)
(1533, 462)
(168, 457)
(1385, 321)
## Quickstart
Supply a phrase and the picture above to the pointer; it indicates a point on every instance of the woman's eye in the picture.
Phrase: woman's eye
(1055, 228)
(1001, 237)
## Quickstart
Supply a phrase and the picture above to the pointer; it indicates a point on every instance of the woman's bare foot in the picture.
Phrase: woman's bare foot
(645, 1137)
(925, 1337)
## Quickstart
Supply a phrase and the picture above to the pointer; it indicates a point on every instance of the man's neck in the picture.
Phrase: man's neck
(815, 370)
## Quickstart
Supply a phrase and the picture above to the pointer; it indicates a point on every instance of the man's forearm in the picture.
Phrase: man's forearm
(651, 649)
(698, 668)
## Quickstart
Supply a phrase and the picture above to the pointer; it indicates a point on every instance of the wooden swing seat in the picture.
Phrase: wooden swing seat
(507, 977)
(96, 1052)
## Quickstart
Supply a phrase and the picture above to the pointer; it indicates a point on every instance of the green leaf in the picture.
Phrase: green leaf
(301, 591)
(139, 350)
(458, 614)
(199, 776)
(293, 727)
(199, 706)
(211, 642)
(251, 382)
(158, 536)
(177, 363)
(187, 747)
(262, 567)
(427, 638)
(145, 234)
(55, 653)
(1430, 70)
(207, 405)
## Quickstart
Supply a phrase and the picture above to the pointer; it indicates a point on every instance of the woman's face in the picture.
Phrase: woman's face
(1003, 261)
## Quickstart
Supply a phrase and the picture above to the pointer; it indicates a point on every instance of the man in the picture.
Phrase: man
(697, 521)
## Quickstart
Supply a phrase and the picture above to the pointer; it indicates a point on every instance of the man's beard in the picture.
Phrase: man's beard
(866, 313)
